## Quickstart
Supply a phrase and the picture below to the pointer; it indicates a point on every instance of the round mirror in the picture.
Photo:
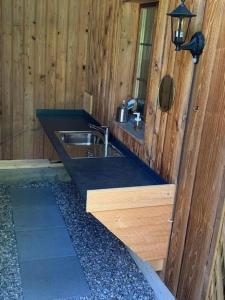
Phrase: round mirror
(166, 93)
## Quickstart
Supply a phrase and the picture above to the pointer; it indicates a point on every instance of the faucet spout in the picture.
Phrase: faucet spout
(104, 130)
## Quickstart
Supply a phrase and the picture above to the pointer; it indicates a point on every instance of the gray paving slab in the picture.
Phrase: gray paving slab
(44, 244)
(53, 279)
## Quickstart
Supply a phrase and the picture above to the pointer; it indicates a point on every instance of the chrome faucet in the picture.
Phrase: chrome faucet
(104, 130)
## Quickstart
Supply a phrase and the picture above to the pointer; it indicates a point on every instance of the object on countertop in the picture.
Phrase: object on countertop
(132, 104)
(137, 124)
(122, 113)
(88, 102)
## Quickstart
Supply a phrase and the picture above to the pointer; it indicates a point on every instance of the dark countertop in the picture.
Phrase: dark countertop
(96, 173)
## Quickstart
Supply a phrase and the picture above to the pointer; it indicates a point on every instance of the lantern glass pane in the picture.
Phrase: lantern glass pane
(185, 27)
(180, 28)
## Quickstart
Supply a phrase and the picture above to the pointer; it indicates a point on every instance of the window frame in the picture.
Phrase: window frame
(144, 5)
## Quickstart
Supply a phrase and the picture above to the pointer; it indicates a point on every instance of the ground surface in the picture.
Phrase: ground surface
(109, 270)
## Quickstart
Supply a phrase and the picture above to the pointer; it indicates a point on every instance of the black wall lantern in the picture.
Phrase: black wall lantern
(180, 22)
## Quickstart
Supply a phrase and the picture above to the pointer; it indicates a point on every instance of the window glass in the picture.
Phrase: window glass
(144, 52)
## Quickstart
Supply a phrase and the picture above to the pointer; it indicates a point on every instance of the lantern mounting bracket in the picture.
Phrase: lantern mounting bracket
(195, 46)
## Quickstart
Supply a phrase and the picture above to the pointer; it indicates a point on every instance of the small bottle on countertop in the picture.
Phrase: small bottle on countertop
(137, 123)
(122, 113)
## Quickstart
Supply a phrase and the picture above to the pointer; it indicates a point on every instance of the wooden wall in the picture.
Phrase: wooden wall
(201, 183)
(216, 280)
(52, 51)
(186, 145)
(111, 56)
(42, 59)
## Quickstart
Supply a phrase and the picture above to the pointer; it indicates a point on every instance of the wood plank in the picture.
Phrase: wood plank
(144, 230)
(160, 123)
(218, 238)
(51, 43)
(81, 52)
(157, 265)
(219, 278)
(73, 27)
(29, 60)
(18, 79)
(114, 60)
(6, 71)
(126, 39)
(61, 53)
(1, 125)
(98, 37)
(154, 80)
(138, 216)
(133, 197)
(40, 74)
(107, 52)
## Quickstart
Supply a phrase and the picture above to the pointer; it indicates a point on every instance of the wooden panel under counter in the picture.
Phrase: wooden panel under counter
(139, 216)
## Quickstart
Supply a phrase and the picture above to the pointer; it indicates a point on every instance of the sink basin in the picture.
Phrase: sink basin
(80, 138)
(86, 144)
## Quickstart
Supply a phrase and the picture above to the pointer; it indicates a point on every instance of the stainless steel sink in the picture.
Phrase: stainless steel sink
(80, 138)
(86, 144)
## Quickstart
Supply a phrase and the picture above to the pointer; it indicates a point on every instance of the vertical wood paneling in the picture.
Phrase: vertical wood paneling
(81, 54)
(215, 288)
(40, 74)
(51, 42)
(73, 26)
(111, 53)
(110, 79)
(176, 119)
(1, 38)
(61, 48)
(18, 78)
(162, 148)
(209, 176)
(43, 65)
(50, 65)
(127, 38)
(160, 57)
(6, 78)
(191, 146)
(29, 46)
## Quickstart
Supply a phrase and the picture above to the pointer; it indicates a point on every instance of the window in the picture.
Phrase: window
(144, 53)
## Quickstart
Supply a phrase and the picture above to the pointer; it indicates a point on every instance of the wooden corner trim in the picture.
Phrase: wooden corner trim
(130, 197)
